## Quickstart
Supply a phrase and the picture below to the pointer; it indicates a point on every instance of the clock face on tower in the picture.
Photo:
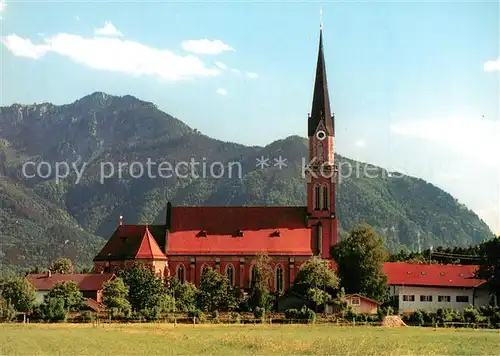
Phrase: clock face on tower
(321, 135)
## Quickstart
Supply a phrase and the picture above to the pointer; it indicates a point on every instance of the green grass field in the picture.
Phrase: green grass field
(166, 339)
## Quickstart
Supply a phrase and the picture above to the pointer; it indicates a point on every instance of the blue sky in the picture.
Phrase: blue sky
(409, 82)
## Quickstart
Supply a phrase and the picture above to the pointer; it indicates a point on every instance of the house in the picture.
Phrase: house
(361, 304)
(91, 285)
(228, 239)
(358, 303)
(431, 287)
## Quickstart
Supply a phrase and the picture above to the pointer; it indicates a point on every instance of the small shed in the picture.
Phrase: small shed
(359, 304)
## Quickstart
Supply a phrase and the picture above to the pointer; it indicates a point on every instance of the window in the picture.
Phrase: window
(253, 274)
(179, 273)
(408, 298)
(462, 299)
(325, 197)
(279, 278)
(230, 273)
(426, 298)
(355, 301)
(444, 298)
(317, 192)
(204, 269)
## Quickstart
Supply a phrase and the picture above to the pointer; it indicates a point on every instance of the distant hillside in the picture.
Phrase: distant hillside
(101, 128)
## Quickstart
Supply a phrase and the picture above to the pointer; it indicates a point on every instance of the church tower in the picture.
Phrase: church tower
(321, 173)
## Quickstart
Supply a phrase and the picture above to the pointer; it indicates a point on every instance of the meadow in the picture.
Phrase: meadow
(168, 339)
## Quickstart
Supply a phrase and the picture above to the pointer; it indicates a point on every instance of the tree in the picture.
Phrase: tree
(184, 295)
(19, 293)
(7, 311)
(316, 282)
(115, 295)
(216, 292)
(146, 289)
(261, 282)
(68, 292)
(360, 259)
(62, 265)
(489, 268)
(52, 309)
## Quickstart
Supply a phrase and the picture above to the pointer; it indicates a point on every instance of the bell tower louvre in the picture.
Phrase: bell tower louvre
(228, 238)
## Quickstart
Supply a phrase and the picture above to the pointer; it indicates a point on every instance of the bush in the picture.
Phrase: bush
(292, 314)
(472, 315)
(303, 314)
(215, 317)
(7, 311)
(417, 318)
(198, 314)
(307, 314)
(85, 317)
(235, 317)
(259, 312)
(150, 314)
(350, 314)
(52, 310)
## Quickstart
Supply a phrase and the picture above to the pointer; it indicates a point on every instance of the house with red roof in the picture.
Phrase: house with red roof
(431, 287)
(359, 304)
(91, 285)
(227, 239)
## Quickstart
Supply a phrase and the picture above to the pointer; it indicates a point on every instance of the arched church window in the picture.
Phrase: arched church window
(317, 197)
(204, 269)
(325, 197)
(180, 273)
(230, 273)
(279, 278)
(253, 274)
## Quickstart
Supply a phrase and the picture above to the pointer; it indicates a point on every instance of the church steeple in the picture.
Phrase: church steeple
(322, 171)
(320, 111)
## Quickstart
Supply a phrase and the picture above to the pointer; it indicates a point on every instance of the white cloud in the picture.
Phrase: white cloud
(221, 91)
(492, 66)
(221, 65)
(113, 54)
(360, 143)
(23, 47)
(3, 5)
(252, 75)
(476, 139)
(205, 46)
(237, 71)
(108, 30)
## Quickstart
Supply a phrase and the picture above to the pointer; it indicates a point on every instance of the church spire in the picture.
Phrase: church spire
(320, 111)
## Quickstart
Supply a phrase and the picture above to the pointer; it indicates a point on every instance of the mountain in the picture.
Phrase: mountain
(97, 135)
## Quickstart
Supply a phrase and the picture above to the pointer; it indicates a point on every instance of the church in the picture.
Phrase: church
(227, 239)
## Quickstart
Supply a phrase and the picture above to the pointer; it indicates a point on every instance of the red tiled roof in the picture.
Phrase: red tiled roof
(258, 226)
(130, 242)
(94, 305)
(85, 282)
(149, 249)
(289, 242)
(226, 220)
(349, 296)
(402, 273)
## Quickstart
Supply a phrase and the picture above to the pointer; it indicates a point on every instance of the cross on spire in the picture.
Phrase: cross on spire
(321, 18)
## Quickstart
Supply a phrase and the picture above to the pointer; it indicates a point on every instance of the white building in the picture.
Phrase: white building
(431, 287)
